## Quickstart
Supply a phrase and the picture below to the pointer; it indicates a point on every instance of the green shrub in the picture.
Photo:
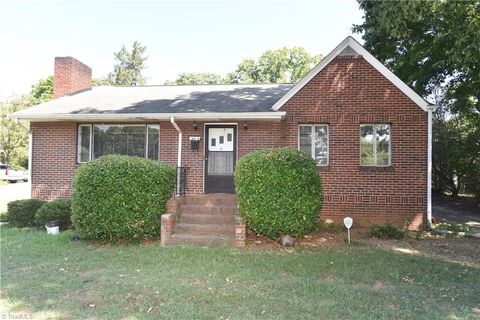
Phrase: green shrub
(120, 197)
(21, 213)
(60, 209)
(3, 217)
(388, 231)
(279, 192)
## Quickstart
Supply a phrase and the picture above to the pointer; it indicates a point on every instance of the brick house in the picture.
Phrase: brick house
(369, 133)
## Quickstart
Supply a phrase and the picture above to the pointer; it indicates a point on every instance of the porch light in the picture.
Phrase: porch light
(245, 125)
(194, 125)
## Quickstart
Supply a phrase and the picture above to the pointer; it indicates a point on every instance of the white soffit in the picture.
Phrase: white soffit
(350, 46)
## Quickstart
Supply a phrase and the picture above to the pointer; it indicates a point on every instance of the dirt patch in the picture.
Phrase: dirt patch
(318, 239)
(463, 251)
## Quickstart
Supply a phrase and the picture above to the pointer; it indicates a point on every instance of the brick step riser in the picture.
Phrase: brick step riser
(207, 219)
(210, 202)
(180, 239)
(199, 229)
(219, 210)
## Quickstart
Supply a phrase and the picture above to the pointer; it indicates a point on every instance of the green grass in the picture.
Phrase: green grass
(53, 277)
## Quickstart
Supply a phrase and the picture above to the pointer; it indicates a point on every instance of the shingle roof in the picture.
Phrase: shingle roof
(163, 99)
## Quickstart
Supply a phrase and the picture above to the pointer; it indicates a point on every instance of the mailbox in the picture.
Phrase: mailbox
(195, 142)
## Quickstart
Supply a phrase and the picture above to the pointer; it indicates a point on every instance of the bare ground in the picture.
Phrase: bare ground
(463, 250)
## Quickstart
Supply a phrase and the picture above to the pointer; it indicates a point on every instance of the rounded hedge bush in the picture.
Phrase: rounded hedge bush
(279, 192)
(60, 209)
(21, 213)
(120, 197)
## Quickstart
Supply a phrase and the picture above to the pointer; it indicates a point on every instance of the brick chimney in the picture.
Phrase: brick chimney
(71, 76)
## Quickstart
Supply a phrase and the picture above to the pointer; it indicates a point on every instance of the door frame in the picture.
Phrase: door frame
(206, 125)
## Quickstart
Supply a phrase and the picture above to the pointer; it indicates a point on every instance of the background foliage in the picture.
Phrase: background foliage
(60, 209)
(21, 213)
(14, 136)
(273, 66)
(120, 197)
(279, 191)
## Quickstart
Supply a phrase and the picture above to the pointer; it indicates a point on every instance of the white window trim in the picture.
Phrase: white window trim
(91, 125)
(156, 126)
(312, 151)
(79, 143)
(374, 125)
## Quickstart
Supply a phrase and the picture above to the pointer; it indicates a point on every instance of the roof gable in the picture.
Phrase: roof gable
(350, 46)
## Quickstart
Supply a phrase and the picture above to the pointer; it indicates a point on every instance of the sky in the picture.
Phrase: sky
(180, 36)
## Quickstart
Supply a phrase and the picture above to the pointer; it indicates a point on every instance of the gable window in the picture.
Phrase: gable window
(98, 140)
(313, 140)
(375, 145)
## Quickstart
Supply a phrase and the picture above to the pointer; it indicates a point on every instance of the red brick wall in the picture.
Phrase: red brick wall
(54, 159)
(71, 76)
(347, 93)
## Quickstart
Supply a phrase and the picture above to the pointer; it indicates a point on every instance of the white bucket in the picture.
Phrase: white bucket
(53, 230)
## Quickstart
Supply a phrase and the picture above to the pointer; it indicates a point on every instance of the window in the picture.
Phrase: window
(153, 141)
(313, 140)
(375, 146)
(135, 140)
(84, 143)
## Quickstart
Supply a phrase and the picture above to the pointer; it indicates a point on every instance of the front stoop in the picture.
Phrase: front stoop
(209, 219)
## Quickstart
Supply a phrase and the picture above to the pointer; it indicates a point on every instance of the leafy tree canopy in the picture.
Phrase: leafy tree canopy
(273, 66)
(187, 78)
(129, 65)
(42, 91)
(14, 136)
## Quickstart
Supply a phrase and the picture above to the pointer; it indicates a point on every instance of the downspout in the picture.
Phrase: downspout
(430, 227)
(429, 170)
(179, 154)
(30, 155)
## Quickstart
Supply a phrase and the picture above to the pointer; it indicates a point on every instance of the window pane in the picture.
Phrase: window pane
(84, 143)
(220, 140)
(153, 141)
(306, 139)
(119, 139)
(321, 144)
(383, 144)
(366, 145)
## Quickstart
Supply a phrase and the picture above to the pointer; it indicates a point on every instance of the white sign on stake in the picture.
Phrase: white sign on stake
(348, 222)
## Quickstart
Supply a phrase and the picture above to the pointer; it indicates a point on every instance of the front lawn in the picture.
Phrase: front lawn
(53, 277)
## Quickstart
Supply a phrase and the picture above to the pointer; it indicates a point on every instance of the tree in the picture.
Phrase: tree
(42, 91)
(456, 155)
(275, 66)
(246, 73)
(129, 66)
(105, 81)
(192, 78)
(13, 135)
